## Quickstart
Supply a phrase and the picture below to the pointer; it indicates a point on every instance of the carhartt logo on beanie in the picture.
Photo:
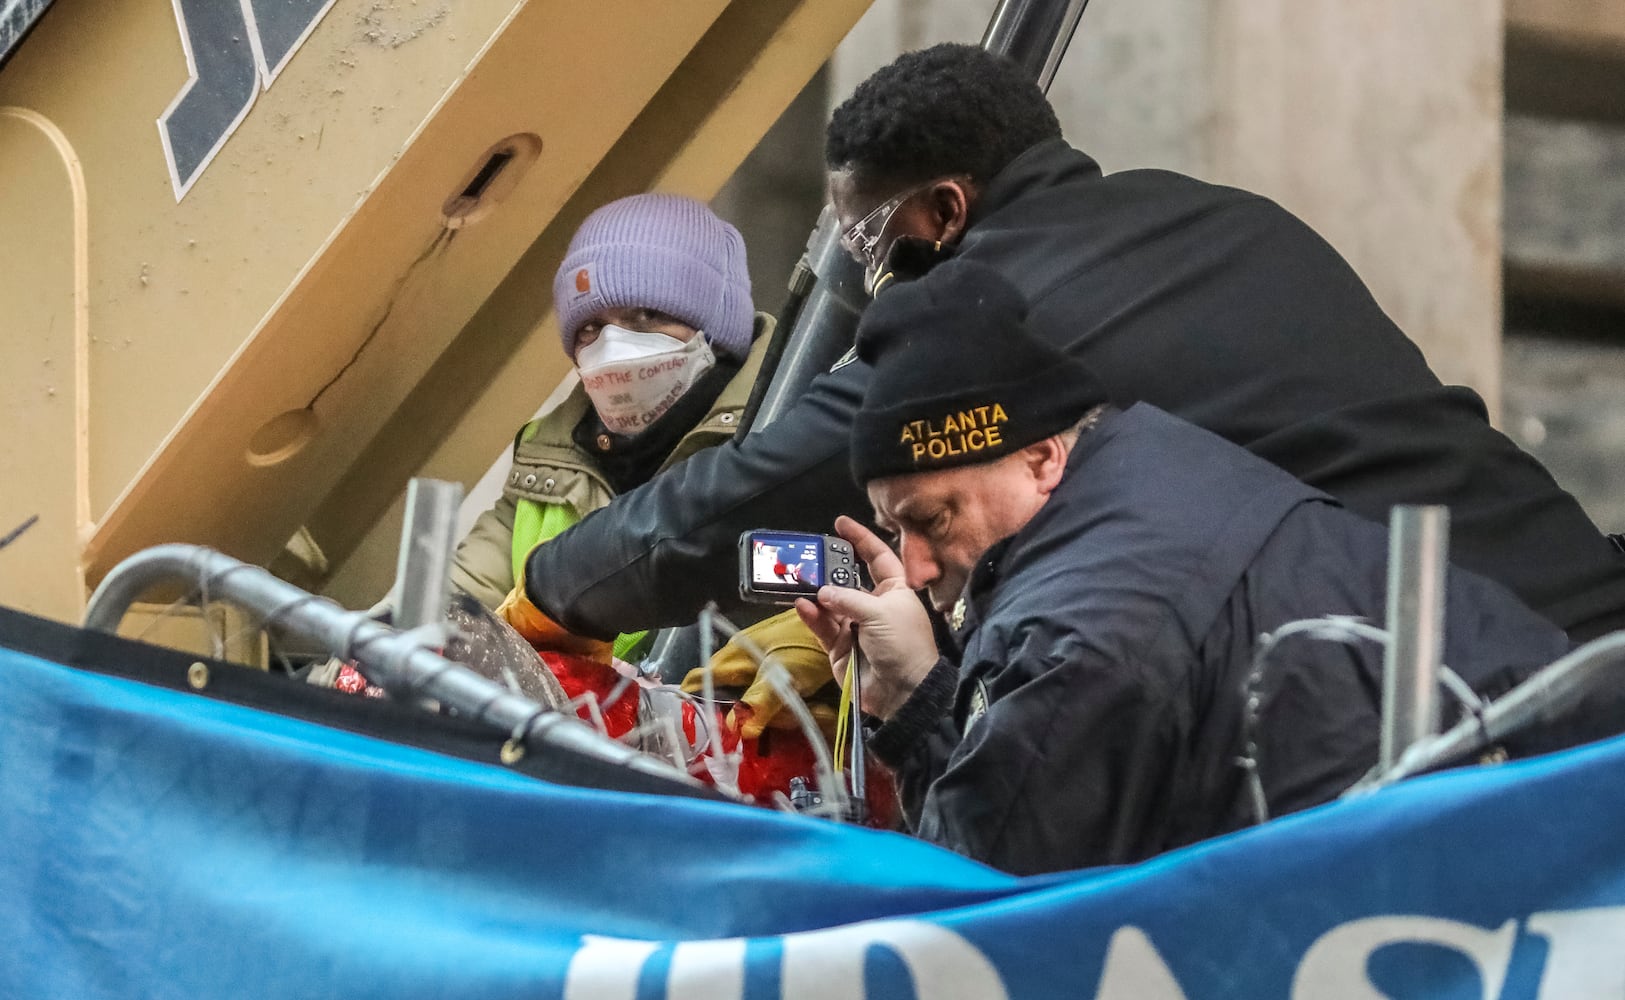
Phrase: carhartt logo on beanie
(957, 378)
(663, 252)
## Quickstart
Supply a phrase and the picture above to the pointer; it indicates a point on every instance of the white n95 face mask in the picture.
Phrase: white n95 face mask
(633, 378)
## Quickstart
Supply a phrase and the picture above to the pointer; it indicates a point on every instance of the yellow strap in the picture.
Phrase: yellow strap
(843, 717)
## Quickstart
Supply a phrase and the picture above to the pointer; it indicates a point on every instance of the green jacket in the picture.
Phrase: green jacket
(554, 483)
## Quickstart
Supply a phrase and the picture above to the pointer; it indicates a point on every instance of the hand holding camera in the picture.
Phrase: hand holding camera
(894, 631)
(776, 567)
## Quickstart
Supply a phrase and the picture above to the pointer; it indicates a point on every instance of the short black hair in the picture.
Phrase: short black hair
(949, 109)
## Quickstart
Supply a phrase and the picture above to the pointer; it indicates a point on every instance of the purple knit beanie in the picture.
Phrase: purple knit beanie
(658, 251)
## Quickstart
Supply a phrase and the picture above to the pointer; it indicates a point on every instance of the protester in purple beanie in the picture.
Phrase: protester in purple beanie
(654, 309)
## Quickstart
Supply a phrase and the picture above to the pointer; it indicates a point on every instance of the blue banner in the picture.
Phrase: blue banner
(159, 844)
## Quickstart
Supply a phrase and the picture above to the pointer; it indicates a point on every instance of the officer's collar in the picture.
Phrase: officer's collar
(1044, 165)
(994, 564)
(984, 577)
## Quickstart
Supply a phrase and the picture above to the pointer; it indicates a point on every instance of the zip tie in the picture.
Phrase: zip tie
(1469, 700)
(1346, 629)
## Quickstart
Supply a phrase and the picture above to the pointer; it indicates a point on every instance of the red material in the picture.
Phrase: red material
(350, 681)
(767, 764)
(579, 675)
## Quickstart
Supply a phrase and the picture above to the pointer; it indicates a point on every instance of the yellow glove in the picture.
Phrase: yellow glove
(787, 641)
(545, 634)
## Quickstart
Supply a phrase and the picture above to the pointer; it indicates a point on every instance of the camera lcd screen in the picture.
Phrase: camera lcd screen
(786, 561)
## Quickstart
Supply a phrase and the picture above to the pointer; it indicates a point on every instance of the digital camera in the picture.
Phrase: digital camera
(776, 567)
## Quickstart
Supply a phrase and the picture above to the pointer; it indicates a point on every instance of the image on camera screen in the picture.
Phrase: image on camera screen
(785, 561)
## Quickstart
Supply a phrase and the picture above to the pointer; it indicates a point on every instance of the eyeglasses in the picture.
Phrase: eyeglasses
(861, 241)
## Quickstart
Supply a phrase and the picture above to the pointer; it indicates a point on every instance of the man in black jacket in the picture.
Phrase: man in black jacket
(1214, 304)
(1107, 574)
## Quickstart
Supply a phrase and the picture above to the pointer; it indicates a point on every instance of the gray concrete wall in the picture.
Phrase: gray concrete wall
(1565, 346)
(1565, 403)
(1565, 194)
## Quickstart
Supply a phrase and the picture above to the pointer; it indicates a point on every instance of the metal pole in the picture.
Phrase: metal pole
(1034, 34)
(827, 320)
(1552, 691)
(1418, 556)
(428, 540)
(402, 662)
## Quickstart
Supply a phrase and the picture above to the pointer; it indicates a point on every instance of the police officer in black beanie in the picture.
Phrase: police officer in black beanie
(1105, 573)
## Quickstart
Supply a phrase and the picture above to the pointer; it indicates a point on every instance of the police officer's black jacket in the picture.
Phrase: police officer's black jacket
(1211, 303)
(1107, 647)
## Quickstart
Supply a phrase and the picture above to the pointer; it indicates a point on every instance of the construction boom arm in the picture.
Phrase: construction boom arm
(269, 259)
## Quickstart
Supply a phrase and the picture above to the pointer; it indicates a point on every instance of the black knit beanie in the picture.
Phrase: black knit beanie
(957, 379)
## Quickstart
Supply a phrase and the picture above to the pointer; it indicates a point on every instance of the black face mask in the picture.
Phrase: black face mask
(909, 258)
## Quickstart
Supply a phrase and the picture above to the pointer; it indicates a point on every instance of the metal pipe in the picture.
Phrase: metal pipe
(402, 662)
(825, 323)
(1034, 34)
(1418, 557)
(802, 282)
(1553, 690)
(428, 540)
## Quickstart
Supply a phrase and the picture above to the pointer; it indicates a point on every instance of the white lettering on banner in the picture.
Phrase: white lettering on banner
(817, 965)
(606, 968)
(1334, 967)
(1135, 971)
(707, 970)
(944, 966)
(1585, 957)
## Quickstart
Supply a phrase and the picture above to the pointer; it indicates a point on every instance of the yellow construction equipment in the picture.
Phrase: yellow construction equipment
(264, 260)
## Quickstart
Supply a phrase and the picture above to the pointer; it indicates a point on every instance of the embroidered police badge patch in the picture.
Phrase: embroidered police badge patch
(978, 707)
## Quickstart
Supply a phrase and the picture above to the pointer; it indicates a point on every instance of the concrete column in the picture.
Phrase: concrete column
(1377, 122)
